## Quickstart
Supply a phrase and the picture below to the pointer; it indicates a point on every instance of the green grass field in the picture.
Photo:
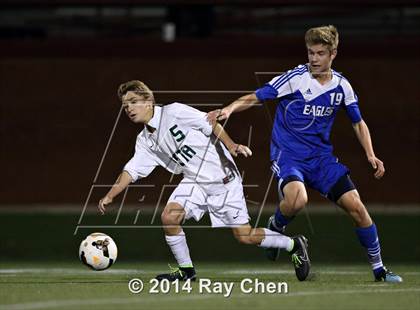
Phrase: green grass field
(73, 286)
(39, 267)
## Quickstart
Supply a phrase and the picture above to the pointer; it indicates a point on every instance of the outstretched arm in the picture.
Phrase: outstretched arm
(240, 104)
(233, 148)
(363, 135)
(123, 180)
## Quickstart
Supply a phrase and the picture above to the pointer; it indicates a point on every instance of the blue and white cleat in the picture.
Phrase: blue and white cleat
(388, 276)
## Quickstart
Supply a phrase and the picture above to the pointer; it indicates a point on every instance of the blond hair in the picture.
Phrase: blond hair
(326, 35)
(138, 87)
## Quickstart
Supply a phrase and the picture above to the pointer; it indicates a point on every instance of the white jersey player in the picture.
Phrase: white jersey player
(179, 138)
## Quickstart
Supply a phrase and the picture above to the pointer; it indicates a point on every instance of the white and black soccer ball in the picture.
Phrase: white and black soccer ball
(98, 251)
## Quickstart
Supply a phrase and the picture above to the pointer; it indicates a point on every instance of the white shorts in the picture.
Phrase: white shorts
(226, 210)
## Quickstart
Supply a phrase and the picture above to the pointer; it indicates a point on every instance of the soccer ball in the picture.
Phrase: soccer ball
(98, 251)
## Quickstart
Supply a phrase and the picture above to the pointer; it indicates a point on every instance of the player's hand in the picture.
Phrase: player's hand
(237, 149)
(103, 203)
(218, 115)
(378, 165)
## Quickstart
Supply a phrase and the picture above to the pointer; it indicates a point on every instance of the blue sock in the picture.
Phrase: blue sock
(368, 237)
(280, 219)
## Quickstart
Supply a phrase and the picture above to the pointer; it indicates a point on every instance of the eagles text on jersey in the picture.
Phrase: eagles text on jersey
(306, 110)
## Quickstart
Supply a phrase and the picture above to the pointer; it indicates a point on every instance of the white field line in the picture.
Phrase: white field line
(284, 271)
(76, 271)
(152, 299)
(95, 302)
(140, 271)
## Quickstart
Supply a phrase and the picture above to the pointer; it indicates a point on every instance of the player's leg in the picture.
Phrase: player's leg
(182, 204)
(229, 210)
(263, 237)
(172, 217)
(352, 204)
(291, 191)
(346, 196)
(293, 199)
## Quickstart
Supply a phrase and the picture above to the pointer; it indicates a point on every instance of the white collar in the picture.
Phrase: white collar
(155, 120)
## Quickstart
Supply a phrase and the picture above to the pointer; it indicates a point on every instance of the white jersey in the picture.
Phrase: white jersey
(182, 142)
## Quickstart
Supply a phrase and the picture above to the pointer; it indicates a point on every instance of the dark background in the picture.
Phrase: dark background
(62, 61)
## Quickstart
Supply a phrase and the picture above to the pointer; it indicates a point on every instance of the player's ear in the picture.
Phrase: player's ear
(333, 53)
(152, 103)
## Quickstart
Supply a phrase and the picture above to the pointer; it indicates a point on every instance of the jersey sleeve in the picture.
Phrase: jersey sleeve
(141, 164)
(281, 85)
(351, 103)
(194, 118)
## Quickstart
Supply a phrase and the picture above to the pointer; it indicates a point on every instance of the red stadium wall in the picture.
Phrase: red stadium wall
(58, 107)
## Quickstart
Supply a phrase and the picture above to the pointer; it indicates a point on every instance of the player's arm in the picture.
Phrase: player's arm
(351, 106)
(198, 120)
(233, 148)
(123, 180)
(279, 86)
(363, 135)
(139, 166)
(241, 104)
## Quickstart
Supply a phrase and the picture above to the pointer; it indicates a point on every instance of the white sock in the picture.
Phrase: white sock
(179, 248)
(274, 239)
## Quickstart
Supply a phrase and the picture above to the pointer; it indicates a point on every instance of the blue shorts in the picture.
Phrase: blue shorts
(320, 173)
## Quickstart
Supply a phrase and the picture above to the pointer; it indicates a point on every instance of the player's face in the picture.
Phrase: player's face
(320, 58)
(137, 107)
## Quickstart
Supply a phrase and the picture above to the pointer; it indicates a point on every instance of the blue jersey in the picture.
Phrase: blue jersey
(306, 111)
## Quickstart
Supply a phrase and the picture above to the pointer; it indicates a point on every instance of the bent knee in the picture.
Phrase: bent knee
(357, 210)
(296, 202)
(172, 214)
(295, 196)
(351, 202)
(167, 219)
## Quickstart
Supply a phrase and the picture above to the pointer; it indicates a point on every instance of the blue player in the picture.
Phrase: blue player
(309, 97)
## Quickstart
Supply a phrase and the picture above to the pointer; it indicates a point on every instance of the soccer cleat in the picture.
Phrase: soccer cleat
(273, 253)
(180, 273)
(388, 276)
(300, 258)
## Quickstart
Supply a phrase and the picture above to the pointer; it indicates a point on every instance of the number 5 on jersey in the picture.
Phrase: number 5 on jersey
(177, 134)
